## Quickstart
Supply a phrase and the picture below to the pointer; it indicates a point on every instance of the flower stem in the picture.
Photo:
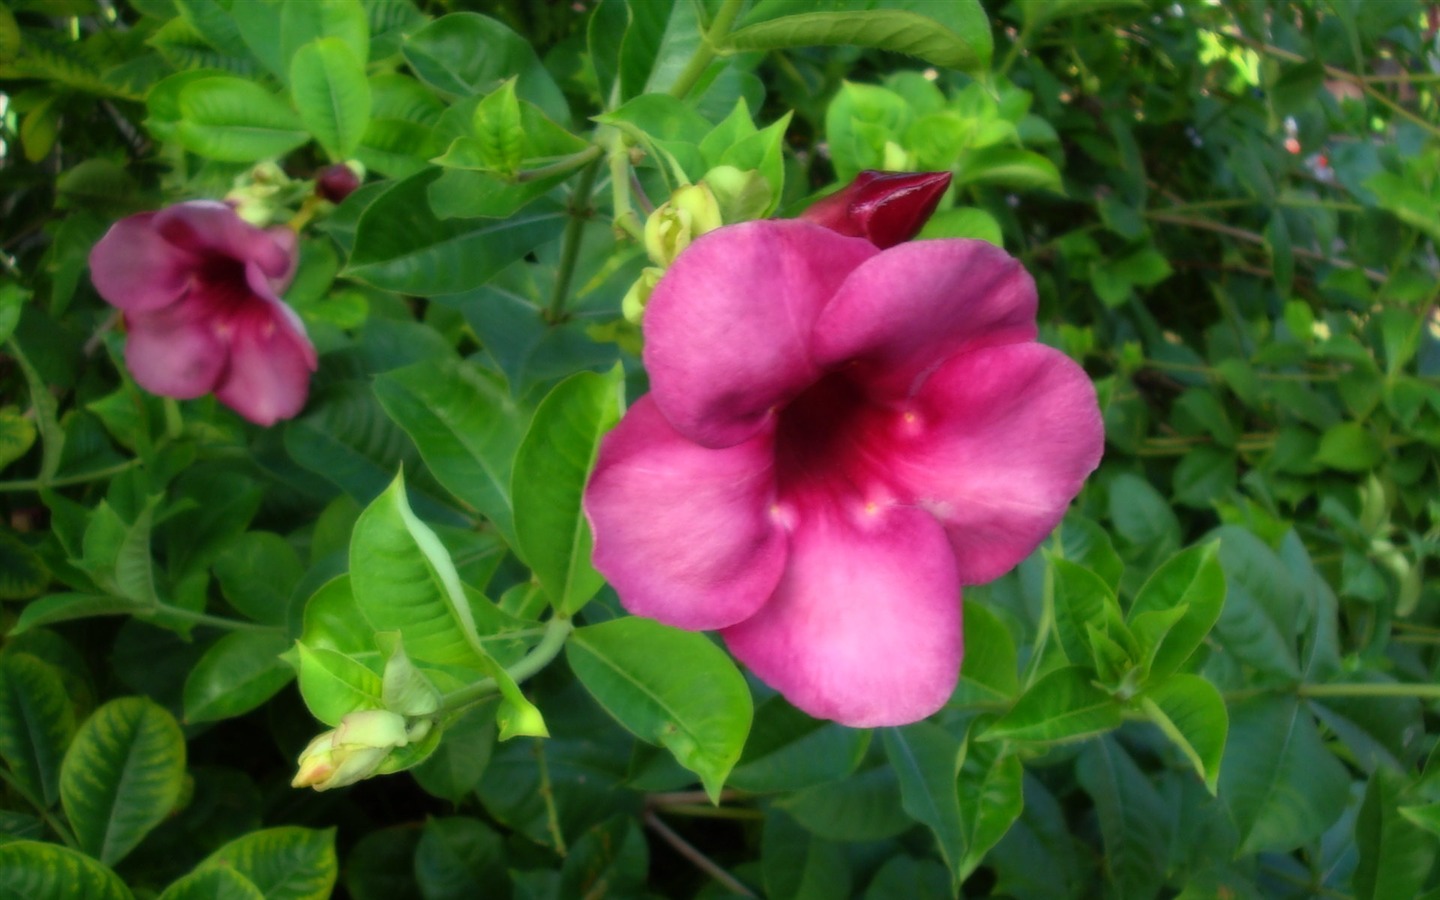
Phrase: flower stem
(701, 861)
(200, 618)
(553, 641)
(568, 164)
(579, 211)
(706, 52)
(1370, 689)
(36, 484)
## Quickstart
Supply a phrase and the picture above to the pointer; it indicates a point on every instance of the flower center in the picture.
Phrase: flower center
(830, 444)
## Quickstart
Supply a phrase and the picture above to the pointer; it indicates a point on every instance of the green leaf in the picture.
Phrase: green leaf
(955, 35)
(334, 684)
(1037, 13)
(238, 673)
(963, 222)
(788, 750)
(213, 884)
(234, 120)
(1349, 447)
(22, 571)
(612, 857)
(862, 807)
(1007, 167)
(37, 722)
(301, 23)
(467, 54)
(45, 407)
(68, 607)
(257, 573)
(860, 122)
(797, 865)
(1258, 621)
(288, 863)
(991, 799)
(1062, 706)
(401, 245)
(30, 870)
(122, 776)
(499, 136)
(1081, 598)
(927, 760)
(551, 467)
(1409, 202)
(333, 621)
(466, 426)
(668, 687)
(1191, 713)
(1396, 854)
(461, 857)
(1193, 579)
(988, 672)
(1282, 786)
(327, 82)
(1129, 811)
(404, 581)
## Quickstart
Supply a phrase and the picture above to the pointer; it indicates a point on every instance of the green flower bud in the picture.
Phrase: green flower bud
(351, 752)
(690, 212)
(633, 306)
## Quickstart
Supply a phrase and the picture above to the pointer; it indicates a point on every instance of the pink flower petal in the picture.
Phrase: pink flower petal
(136, 269)
(175, 353)
(997, 443)
(210, 228)
(864, 627)
(271, 360)
(907, 310)
(684, 533)
(728, 329)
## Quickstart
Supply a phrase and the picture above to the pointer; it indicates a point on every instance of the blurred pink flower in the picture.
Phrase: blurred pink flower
(837, 438)
(885, 208)
(200, 289)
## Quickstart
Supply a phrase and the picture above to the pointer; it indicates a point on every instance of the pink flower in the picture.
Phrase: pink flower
(885, 208)
(837, 438)
(200, 291)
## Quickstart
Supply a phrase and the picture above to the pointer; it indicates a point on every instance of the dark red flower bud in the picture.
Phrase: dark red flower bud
(336, 182)
(885, 208)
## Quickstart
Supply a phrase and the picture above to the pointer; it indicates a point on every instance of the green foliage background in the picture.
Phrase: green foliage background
(1217, 679)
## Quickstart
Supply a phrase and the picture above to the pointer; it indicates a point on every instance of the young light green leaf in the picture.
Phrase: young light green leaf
(404, 688)
(334, 684)
(404, 581)
(328, 85)
(1191, 713)
(302, 23)
(122, 776)
(668, 687)
(234, 120)
(37, 722)
(499, 135)
(1062, 706)
(955, 35)
(1081, 598)
(1194, 579)
(1007, 167)
(212, 884)
(36, 871)
(238, 673)
(551, 467)
(287, 863)
(991, 799)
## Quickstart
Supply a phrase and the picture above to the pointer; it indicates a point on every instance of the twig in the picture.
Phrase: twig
(701, 861)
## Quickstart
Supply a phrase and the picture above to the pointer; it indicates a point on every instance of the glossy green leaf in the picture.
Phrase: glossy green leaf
(257, 572)
(1193, 579)
(37, 722)
(466, 426)
(1262, 604)
(955, 35)
(404, 581)
(668, 687)
(927, 760)
(1282, 786)
(862, 807)
(797, 865)
(334, 684)
(401, 245)
(213, 884)
(235, 120)
(1349, 447)
(67, 607)
(1081, 598)
(333, 621)
(788, 750)
(460, 857)
(466, 54)
(1062, 706)
(551, 468)
(989, 670)
(327, 83)
(287, 863)
(1130, 813)
(122, 776)
(611, 857)
(302, 23)
(964, 222)
(1191, 713)
(17, 435)
(991, 799)
(238, 673)
(30, 870)
(1008, 167)
(457, 765)
(499, 135)
(1396, 854)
